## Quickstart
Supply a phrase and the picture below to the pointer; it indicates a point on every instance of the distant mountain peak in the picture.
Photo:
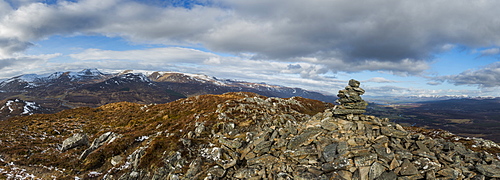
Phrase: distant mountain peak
(90, 72)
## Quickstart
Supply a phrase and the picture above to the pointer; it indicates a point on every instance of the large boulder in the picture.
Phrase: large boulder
(76, 140)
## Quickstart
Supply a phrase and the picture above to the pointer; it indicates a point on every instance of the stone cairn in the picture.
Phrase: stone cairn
(350, 100)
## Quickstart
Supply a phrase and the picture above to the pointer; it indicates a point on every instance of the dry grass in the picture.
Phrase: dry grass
(460, 121)
(34, 140)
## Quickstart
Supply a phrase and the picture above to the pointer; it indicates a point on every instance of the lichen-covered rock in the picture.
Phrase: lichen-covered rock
(491, 170)
(98, 142)
(78, 139)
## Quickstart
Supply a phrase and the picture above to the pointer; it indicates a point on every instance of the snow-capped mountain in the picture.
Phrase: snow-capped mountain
(92, 88)
(27, 81)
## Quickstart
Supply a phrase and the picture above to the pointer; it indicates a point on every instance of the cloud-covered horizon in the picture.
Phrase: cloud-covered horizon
(310, 38)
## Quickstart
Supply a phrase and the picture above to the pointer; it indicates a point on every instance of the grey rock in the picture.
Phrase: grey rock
(265, 159)
(478, 177)
(382, 152)
(404, 154)
(194, 168)
(246, 173)
(407, 168)
(328, 125)
(98, 142)
(365, 160)
(342, 148)
(422, 146)
(115, 160)
(330, 151)
(389, 131)
(449, 173)
(348, 111)
(376, 170)
(354, 83)
(230, 143)
(388, 175)
(76, 140)
(427, 164)
(302, 152)
(263, 147)
(303, 138)
(216, 172)
(200, 127)
(305, 176)
(489, 170)
(425, 154)
(340, 163)
(361, 173)
(430, 174)
(448, 146)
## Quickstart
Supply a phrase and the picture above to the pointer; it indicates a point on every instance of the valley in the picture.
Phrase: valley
(466, 117)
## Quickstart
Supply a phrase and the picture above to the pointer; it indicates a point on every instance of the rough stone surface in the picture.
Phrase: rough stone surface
(98, 142)
(407, 168)
(350, 100)
(489, 170)
(76, 140)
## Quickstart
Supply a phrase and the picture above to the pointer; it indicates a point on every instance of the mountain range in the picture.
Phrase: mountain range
(91, 88)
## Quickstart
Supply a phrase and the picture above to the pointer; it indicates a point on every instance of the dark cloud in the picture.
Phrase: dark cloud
(389, 35)
(486, 77)
(434, 83)
(294, 66)
(9, 46)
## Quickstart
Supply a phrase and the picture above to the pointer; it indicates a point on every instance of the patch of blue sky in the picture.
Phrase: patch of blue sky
(188, 4)
(74, 44)
(458, 60)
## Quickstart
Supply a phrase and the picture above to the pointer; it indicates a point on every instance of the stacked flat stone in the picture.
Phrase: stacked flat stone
(350, 100)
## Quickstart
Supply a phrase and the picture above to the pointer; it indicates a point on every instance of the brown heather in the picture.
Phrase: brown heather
(33, 142)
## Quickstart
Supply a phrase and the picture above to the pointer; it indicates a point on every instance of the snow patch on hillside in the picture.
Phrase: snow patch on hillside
(29, 108)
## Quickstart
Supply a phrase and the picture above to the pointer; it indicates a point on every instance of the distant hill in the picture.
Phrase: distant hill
(92, 88)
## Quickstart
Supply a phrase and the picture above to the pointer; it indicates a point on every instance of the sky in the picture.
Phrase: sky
(394, 47)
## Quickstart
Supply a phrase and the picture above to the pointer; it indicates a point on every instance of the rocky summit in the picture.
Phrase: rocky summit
(235, 136)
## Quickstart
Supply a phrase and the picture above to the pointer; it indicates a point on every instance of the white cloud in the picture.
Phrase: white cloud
(434, 83)
(164, 55)
(21, 64)
(411, 91)
(486, 77)
(380, 80)
(490, 51)
(4, 8)
(388, 35)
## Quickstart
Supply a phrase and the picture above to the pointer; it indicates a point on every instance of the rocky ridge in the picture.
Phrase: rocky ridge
(241, 136)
